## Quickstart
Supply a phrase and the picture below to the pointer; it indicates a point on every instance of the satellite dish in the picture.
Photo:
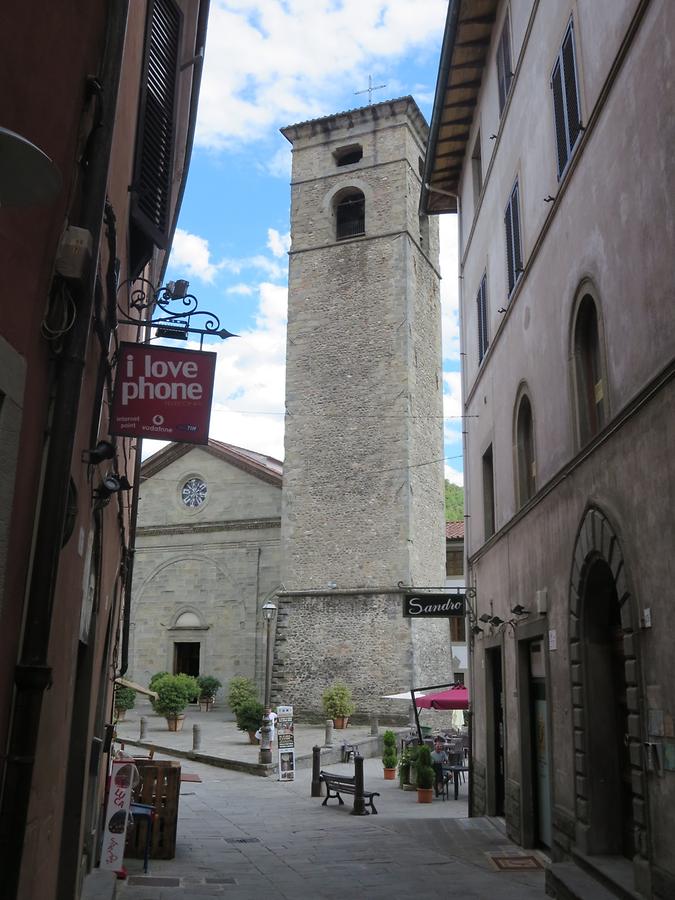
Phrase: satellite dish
(27, 175)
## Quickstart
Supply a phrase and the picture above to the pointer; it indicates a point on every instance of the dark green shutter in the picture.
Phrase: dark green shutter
(156, 136)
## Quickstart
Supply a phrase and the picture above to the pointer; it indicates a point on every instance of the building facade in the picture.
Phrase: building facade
(96, 129)
(207, 559)
(362, 513)
(551, 136)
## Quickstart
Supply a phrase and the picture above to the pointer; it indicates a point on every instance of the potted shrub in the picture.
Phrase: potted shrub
(125, 698)
(208, 688)
(240, 690)
(156, 678)
(389, 755)
(172, 698)
(338, 704)
(249, 718)
(191, 686)
(407, 769)
(425, 776)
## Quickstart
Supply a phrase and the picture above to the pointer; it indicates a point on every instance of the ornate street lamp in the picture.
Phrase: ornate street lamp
(269, 611)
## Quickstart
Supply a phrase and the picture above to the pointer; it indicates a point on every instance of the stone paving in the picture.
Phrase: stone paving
(240, 836)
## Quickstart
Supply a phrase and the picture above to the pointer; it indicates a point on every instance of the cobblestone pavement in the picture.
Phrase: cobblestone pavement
(241, 836)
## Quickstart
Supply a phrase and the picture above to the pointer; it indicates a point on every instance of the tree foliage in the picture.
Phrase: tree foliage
(454, 502)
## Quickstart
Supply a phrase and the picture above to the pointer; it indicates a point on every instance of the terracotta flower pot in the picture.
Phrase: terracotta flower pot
(120, 714)
(389, 774)
(425, 795)
(340, 722)
(205, 704)
(252, 738)
(175, 723)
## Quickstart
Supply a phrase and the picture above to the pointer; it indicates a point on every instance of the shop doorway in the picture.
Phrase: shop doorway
(496, 736)
(609, 767)
(186, 658)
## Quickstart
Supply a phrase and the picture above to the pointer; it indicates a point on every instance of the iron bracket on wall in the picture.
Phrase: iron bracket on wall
(150, 307)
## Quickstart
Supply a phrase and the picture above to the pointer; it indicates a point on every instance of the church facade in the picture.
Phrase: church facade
(206, 560)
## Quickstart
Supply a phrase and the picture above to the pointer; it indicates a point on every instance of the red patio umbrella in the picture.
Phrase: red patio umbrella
(456, 697)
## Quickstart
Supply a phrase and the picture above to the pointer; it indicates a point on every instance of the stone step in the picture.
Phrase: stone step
(567, 881)
(616, 873)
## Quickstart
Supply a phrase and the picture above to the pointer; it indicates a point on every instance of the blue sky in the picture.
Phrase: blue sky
(271, 63)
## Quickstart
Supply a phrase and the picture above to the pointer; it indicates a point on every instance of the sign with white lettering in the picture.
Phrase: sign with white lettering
(425, 606)
(164, 393)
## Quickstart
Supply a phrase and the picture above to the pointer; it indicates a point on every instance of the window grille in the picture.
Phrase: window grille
(153, 167)
(566, 100)
(481, 303)
(504, 73)
(351, 216)
(514, 259)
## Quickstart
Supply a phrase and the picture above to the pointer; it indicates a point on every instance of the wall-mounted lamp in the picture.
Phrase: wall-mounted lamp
(476, 629)
(496, 621)
(486, 617)
(519, 610)
(103, 450)
(110, 485)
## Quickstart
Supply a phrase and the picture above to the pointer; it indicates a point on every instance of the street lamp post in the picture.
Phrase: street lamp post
(265, 756)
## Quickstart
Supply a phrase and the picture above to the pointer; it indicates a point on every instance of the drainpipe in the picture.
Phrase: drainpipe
(33, 674)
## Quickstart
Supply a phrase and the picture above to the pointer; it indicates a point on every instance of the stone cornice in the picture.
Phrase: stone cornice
(208, 527)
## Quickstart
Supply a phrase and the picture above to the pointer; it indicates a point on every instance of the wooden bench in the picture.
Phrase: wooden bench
(345, 784)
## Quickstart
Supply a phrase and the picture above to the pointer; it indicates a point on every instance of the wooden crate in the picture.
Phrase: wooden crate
(159, 787)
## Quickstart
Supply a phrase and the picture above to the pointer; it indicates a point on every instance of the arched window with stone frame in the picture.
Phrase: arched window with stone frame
(589, 370)
(350, 214)
(525, 460)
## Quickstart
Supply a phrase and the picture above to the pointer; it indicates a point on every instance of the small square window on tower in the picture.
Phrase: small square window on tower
(347, 156)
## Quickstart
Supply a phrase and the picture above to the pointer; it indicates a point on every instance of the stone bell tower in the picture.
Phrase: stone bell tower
(363, 509)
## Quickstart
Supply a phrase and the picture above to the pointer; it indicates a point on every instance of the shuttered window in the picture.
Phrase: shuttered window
(504, 73)
(566, 100)
(514, 259)
(481, 303)
(155, 141)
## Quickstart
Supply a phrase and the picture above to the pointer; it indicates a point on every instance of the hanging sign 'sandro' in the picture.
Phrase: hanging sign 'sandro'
(164, 393)
(424, 606)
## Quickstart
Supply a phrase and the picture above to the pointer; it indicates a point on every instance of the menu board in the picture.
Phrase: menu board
(286, 743)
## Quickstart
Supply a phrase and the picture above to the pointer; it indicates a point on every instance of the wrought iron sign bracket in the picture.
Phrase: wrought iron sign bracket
(150, 307)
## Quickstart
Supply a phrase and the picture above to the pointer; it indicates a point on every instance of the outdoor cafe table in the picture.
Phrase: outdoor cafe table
(455, 771)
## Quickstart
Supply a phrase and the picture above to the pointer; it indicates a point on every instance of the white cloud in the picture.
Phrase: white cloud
(240, 288)
(454, 476)
(190, 255)
(278, 243)
(449, 253)
(248, 407)
(279, 164)
(262, 70)
(263, 263)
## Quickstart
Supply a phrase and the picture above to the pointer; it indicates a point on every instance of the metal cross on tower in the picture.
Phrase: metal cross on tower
(369, 90)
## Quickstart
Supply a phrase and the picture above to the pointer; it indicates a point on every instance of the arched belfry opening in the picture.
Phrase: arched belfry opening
(350, 214)
(609, 777)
